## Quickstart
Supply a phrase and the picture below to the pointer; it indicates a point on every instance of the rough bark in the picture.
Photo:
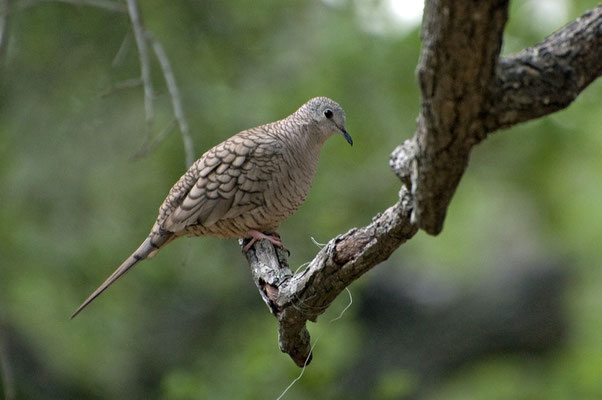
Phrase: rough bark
(295, 299)
(461, 43)
(468, 91)
(548, 76)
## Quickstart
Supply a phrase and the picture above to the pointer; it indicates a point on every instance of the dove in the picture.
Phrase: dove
(244, 187)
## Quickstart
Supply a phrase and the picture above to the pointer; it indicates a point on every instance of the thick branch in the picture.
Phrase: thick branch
(459, 75)
(468, 92)
(548, 76)
(462, 40)
(296, 299)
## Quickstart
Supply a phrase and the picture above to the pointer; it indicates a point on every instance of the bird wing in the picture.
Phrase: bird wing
(232, 178)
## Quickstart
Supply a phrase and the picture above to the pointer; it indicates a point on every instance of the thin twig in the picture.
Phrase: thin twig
(129, 83)
(176, 99)
(123, 49)
(112, 6)
(3, 28)
(142, 37)
(145, 68)
(151, 145)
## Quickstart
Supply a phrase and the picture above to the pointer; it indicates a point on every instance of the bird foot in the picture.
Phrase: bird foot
(274, 238)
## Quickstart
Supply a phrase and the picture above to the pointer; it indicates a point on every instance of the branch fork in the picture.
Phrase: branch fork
(468, 91)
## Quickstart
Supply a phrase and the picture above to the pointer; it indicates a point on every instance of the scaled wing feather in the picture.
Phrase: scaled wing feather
(232, 180)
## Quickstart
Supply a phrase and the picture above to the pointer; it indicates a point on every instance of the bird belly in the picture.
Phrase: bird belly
(239, 226)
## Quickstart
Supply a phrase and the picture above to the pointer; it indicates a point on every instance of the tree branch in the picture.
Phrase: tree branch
(462, 41)
(123, 49)
(306, 295)
(150, 145)
(548, 76)
(467, 92)
(142, 36)
(176, 99)
(145, 70)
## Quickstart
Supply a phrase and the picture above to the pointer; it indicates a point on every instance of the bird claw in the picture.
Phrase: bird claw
(274, 238)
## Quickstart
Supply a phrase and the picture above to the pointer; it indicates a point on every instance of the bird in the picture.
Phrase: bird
(244, 187)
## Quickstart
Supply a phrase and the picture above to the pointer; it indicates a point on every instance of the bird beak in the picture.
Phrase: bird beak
(347, 136)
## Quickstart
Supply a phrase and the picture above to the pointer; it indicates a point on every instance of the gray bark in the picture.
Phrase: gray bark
(468, 91)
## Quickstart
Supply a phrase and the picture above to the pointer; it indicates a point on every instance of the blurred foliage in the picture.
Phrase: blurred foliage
(189, 324)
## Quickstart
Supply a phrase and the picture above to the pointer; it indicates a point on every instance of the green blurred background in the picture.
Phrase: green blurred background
(189, 324)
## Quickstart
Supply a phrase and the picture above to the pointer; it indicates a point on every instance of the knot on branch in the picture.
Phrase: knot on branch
(403, 162)
(345, 250)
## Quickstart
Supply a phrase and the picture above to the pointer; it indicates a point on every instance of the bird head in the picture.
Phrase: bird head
(328, 116)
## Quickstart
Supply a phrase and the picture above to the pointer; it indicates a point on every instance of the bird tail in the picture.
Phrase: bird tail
(148, 248)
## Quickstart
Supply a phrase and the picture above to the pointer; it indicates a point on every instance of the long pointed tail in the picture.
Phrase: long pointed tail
(150, 245)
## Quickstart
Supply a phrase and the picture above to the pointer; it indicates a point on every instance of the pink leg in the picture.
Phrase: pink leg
(255, 235)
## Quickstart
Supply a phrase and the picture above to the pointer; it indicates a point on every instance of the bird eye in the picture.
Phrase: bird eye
(328, 113)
